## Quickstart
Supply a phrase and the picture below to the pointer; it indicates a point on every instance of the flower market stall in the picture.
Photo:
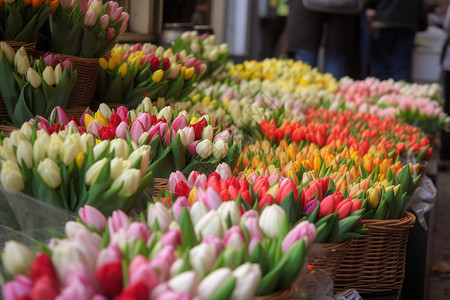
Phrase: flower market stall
(134, 171)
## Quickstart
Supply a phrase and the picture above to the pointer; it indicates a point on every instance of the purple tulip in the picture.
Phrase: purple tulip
(193, 147)
(67, 63)
(59, 116)
(310, 206)
(50, 59)
(137, 47)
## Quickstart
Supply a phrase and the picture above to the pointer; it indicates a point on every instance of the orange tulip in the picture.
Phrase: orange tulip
(37, 3)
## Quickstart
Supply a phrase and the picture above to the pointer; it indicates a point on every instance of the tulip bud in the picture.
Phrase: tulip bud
(17, 258)
(208, 133)
(130, 179)
(220, 149)
(248, 277)
(49, 75)
(270, 220)
(104, 21)
(230, 209)
(198, 210)
(235, 238)
(70, 149)
(100, 148)
(158, 212)
(8, 50)
(204, 148)
(202, 258)
(54, 146)
(166, 113)
(90, 18)
(195, 47)
(93, 172)
(22, 65)
(50, 172)
(25, 154)
(92, 217)
(34, 78)
(211, 283)
(120, 148)
(11, 177)
(7, 154)
(374, 197)
(210, 224)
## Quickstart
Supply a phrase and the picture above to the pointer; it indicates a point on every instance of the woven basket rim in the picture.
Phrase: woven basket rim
(404, 223)
(7, 129)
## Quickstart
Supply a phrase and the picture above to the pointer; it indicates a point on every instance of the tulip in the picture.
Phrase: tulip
(265, 200)
(177, 208)
(181, 189)
(146, 274)
(121, 130)
(23, 65)
(220, 149)
(104, 21)
(208, 133)
(71, 228)
(344, 208)
(250, 214)
(255, 232)
(34, 78)
(163, 261)
(143, 153)
(174, 179)
(286, 186)
(50, 173)
(107, 255)
(329, 203)
(204, 148)
(94, 171)
(193, 176)
(138, 231)
(157, 212)
(212, 283)
(230, 209)
(17, 288)
(270, 221)
(310, 206)
(248, 277)
(210, 224)
(100, 149)
(202, 258)
(120, 148)
(49, 75)
(180, 122)
(110, 279)
(303, 230)
(17, 258)
(92, 217)
(189, 134)
(224, 136)
(193, 148)
(119, 220)
(172, 237)
(211, 199)
(70, 149)
(25, 154)
(90, 18)
(7, 154)
(11, 177)
(235, 238)
(8, 51)
(94, 126)
(198, 210)
(215, 241)
(374, 197)
(78, 288)
(44, 288)
(166, 113)
(59, 116)
(185, 282)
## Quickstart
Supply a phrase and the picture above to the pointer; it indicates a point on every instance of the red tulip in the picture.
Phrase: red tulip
(137, 291)
(44, 289)
(182, 189)
(328, 205)
(344, 208)
(245, 194)
(286, 186)
(233, 192)
(43, 267)
(356, 204)
(214, 182)
(267, 199)
(110, 278)
(261, 186)
(154, 63)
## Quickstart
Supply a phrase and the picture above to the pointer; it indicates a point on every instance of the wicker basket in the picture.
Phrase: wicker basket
(281, 295)
(7, 129)
(15, 45)
(88, 70)
(329, 256)
(161, 184)
(375, 263)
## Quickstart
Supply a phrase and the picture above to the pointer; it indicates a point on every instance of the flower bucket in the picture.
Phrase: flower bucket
(35, 217)
(375, 263)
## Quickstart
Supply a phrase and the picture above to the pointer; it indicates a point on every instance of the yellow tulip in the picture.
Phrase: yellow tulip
(123, 70)
(189, 73)
(79, 159)
(158, 75)
(374, 197)
(103, 63)
(192, 195)
(99, 116)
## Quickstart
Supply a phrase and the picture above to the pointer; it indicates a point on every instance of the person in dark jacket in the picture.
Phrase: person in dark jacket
(393, 26)
(305, 28)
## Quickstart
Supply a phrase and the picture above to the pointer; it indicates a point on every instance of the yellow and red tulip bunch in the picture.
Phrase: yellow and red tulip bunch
(21, 20)
(129, 74)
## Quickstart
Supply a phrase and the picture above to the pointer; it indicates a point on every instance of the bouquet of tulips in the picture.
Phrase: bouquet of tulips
(86, 28)
(335, 220)
(67, 169)
(33, 87)
(130, 73)
(204, 48)
(21, 20)
(164, 255)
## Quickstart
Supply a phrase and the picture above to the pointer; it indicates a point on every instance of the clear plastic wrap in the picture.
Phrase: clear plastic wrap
(422, 200)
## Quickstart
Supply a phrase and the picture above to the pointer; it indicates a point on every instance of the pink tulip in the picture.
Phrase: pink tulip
(146, 274)
(202, 69)
(124, 17)
(189, 133)
(174, 178)
(159, 289)
(303, 230)
(172, 237)
(224, 135)
(116, 14)
(211, 199)
(146, 120)
(78, 288)
(50, 59)
(192, 148)
(146, 58)
(274, 177)
(192, 178)
(250, 214)
(20, 286)
(173, 295)
(121, 130)
(311, 206)
(92, 217)
(138, 231)
(180, 122)
(253, 228)
(90, 18)
(84, 6)
(137, 47)
(137, 129)
(67, 63)
(178, 206)
(122, 111)
(118, 220)
(163, 260)
(44, 121)
(87, 111)
(235, 238)
(59, 116)
(163, 130)
(110, 33)
(109, 254)
(189, 62)
(224, 171)
(44, 289)
(104, 21)
(136, 263)
(216, 241)
(94, 127)
(112, 6)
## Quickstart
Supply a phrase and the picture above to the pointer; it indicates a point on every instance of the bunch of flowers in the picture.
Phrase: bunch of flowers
(178, 140)
(415, 104)
(33, 87)
(204, 48)
(68, 169)
(325, 127)
(256, 193)
(21, 20)
(162, 256)
(86, 28)
(127, 75)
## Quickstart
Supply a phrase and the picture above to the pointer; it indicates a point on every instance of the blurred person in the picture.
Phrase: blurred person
(393, 25)
(305, 31)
